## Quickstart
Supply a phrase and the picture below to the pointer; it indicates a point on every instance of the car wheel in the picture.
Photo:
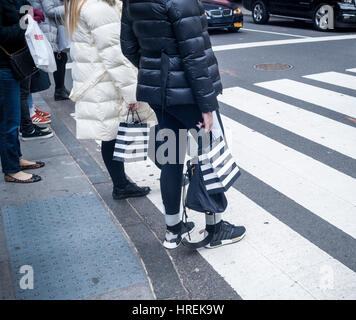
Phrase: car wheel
(260, 14)
(234, 30)
(321, 17)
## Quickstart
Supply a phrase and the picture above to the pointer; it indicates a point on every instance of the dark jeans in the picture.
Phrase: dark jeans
(116, 168)
(10, 110)
(26, 123)
(175, 118)
(59, 75)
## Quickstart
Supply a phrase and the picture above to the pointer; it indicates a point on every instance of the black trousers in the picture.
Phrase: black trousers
(175, 118)
(116, 168)
(25, 90)
(59, 75)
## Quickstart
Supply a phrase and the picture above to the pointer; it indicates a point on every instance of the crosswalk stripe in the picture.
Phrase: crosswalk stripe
(332, 100)
(322, 130)
(351, 70)
(256, 44)
(322, 190)
(279, 33)
(273, 261)
(335, 78)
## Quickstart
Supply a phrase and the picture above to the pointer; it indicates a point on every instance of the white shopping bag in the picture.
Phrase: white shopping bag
(41, 50)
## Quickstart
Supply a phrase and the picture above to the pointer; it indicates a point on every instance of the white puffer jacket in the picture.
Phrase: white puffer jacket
(104, 81)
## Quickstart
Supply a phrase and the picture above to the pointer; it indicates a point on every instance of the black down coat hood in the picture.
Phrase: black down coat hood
(168, 41)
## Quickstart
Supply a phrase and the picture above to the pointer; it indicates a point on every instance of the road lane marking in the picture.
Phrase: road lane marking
(335, 78)
(351, 70)
(279, 33)
(280, 42)
(327, 132)
(317, 187)
(332, 100)
(272, 261)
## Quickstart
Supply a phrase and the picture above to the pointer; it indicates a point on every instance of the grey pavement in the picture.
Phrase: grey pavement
(63, 230)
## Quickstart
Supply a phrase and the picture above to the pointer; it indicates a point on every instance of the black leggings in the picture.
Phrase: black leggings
(116, 168)
(59, 75)
(175, 118)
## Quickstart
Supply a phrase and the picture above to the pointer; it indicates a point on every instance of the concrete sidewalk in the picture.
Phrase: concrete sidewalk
(61, 230)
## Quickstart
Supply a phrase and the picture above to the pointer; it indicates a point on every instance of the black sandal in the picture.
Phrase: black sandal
(37, 165)
(33, 179)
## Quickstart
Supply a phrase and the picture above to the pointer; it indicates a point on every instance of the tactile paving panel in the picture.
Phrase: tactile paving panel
(73, 246)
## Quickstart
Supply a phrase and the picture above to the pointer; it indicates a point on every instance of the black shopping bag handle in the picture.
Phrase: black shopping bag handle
(133, 116)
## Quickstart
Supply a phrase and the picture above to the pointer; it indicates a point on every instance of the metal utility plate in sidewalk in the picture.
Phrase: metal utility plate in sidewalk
(72, 245)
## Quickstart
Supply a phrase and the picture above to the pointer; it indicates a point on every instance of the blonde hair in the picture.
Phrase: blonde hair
(72, 13)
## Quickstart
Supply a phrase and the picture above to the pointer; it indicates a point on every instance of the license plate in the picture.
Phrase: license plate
(237, 24)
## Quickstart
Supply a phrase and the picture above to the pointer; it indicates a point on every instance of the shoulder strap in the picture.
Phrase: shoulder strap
(11, 54)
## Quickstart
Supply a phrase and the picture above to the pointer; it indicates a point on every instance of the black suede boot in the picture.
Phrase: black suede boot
(61, 94)
(131, 190)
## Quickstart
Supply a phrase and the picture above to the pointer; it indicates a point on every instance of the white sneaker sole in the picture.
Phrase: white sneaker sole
(38, 138)
(42, 123)
(171, 246)
(226, 242)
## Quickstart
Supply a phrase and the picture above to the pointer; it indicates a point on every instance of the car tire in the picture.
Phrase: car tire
(260, 14)
(233, 30)
(319, 17)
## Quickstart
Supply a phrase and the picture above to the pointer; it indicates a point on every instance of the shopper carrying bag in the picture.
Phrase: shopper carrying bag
(168, 41)
(54, 14)
(104, 83)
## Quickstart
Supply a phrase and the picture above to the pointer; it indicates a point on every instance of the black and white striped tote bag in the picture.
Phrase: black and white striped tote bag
(217, 165)
(132, 140)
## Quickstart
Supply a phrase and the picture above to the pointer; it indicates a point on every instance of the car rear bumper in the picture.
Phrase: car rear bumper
(228, 22)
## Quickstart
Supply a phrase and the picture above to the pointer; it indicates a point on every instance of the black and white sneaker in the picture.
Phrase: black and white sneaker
(172, 240)
(36, 134)
(43, 129)
(226, 233)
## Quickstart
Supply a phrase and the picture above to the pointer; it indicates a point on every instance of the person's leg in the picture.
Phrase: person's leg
(10, 117)
(31, 106)
(116, 168)
(122, 187)
(28, 130)
(171, 177)
(26, 126)
(9, 122)
(59, 76)
(212, 220)
(171, 169)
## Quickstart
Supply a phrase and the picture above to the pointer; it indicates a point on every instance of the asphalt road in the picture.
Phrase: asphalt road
(294, 138)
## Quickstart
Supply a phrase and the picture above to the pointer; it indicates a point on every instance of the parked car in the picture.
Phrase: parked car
(223, 14)
(325, 14)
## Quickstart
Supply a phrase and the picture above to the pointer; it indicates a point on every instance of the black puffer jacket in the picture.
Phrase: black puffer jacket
(168, 41)
(12, 36)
